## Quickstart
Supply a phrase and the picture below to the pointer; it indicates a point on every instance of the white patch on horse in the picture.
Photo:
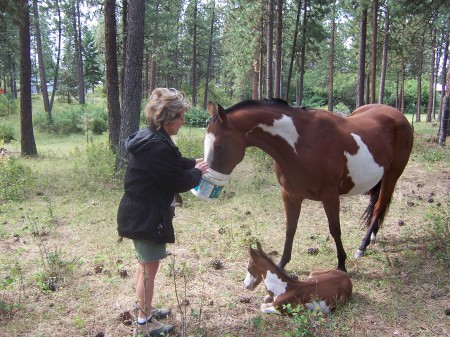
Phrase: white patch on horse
(274, 284)
(363, 170)
(209, 147)
(249, 281)
(284, 128)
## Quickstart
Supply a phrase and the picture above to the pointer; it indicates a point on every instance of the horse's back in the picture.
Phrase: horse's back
(380, 112)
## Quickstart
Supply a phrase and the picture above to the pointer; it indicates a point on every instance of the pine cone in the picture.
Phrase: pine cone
(313, 251)
(217, 264)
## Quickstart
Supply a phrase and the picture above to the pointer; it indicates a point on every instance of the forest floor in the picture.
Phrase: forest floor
(66, 273)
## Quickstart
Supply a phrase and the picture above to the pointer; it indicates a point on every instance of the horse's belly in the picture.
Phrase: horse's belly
(363, 171)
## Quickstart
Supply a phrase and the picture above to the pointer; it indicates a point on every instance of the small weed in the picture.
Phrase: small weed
(10, 292)
(55, 268)
(440, 220)
(309, 323)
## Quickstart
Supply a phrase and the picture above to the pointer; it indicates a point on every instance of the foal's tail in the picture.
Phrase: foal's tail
(368, 213)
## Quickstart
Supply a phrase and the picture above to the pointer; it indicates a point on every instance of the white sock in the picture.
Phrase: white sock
(144, 320)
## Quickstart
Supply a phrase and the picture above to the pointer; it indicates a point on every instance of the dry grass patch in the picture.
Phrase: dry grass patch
(401, 288)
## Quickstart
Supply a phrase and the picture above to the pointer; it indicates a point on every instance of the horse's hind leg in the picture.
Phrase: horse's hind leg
(379, 211)
(292, 209)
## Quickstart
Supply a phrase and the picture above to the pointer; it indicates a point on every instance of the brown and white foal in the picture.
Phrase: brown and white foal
(324, 288)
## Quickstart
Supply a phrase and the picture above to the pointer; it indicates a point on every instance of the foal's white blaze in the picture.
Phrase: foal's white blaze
(209, 147)
(284, 128)
(249, 281)
(275, 284)
(363, 170)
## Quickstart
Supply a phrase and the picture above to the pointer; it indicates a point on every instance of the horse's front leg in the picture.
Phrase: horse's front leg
(292, 210)
(331, 205)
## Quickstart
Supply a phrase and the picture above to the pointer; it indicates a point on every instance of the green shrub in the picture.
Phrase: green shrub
(74, 119)
(342, 108)
(94, 163)
(8, 105)
(17, 179)
(99, 121)
(6, 133)
(197, 117)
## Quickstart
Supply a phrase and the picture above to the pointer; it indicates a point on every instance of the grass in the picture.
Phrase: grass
(64, 272)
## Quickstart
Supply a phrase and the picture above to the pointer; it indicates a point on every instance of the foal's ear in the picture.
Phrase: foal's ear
(221, 113)
(211, 108)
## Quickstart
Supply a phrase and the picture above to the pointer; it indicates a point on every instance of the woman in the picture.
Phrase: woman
(156, 171)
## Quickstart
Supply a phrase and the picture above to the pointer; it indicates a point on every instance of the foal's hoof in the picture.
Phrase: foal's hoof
(359, 254)
(268, 299)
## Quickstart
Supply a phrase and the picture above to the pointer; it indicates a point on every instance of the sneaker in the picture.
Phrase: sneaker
(160, 313)
(153, 328)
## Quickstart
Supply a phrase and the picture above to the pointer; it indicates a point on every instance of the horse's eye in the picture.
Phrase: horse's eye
(218, 147)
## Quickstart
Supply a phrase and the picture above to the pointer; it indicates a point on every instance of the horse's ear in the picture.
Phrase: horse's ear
(258, 245)
(211, 108)
(221, 113)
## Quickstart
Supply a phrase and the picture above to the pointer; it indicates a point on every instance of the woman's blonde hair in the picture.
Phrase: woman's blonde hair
(165, 106)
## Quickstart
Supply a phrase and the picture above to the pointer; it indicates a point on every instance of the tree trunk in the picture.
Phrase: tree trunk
(153, 56)
(112, 74)
(124, 44)
(78, 51)
(419, 80)
(58, 57)
(361, 58)
(331, 61)
(27, 142)
(444, 70)
(293, 50)
(384, 57)
(194, 56)
(208, 66)
(278, 49)
(402, 85)
(269, 65)
(431, 93)
(255, 78)
(132, 89)
(373, 74)
(302, 54)
(40, 55)
(262, 48)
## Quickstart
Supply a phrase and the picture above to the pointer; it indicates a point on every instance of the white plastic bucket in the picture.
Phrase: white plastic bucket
(211, 185)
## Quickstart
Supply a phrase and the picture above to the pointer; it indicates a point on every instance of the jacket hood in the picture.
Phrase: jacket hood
(141, 139)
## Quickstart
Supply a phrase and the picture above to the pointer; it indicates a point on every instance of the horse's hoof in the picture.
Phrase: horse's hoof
(359, 254)
(373, 239)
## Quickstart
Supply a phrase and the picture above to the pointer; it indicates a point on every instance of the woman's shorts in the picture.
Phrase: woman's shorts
(148, 251)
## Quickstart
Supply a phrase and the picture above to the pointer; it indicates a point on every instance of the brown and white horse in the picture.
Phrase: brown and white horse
(325, 289)
(318, 156)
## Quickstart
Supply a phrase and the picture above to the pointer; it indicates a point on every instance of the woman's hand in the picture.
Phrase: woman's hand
(202, 165)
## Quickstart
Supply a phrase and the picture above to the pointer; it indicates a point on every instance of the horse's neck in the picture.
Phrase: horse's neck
(274, 133)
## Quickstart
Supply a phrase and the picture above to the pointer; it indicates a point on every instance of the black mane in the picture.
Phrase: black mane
(253, 102)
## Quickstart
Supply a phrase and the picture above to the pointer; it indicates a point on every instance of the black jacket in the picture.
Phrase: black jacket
(155, 172)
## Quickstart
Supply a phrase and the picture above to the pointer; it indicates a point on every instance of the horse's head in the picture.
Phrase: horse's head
(224, 145)
(254, 268)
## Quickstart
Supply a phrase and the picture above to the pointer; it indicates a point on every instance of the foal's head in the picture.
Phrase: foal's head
(258, 265)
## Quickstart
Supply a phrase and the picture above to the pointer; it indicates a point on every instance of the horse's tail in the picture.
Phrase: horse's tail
(368, 213)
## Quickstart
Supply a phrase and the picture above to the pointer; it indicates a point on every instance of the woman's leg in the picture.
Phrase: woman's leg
(145, 283)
